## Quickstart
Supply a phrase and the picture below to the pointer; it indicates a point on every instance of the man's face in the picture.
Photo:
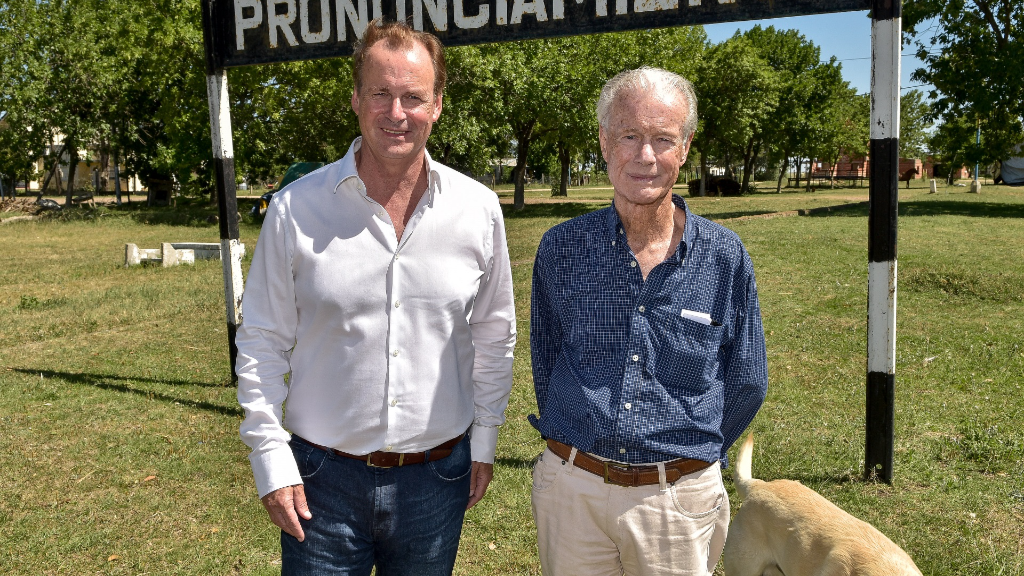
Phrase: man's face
(395, 103)
(644, 146)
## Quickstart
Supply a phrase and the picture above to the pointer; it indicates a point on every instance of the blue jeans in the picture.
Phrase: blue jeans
(406, 521)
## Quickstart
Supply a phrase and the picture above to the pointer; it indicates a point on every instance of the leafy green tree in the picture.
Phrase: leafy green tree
(973, 52)
(914, 124)
(291, 112)
(738, 91)
(466, 135)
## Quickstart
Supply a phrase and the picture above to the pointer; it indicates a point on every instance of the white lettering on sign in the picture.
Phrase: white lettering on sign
(470, 22)
(281, 22)
(654, 5)
(436, 9)
(501, 12)
(242, 23)
(275, 20)
(325, 22)
(520, 7)
(358, 18)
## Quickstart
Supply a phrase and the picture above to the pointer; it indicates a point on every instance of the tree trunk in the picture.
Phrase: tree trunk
(523, 140)
(749, 160)
(834, 171)
(117, 178)
(72, 168)
(799, 167)
(49, 175)
(563, 160)
(703, 175)
(104, 165)
(782, 173)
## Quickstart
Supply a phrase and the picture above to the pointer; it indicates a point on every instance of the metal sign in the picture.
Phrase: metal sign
(242, 32)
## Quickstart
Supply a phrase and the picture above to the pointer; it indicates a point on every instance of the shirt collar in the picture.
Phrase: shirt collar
(347, 169)
(615, 228)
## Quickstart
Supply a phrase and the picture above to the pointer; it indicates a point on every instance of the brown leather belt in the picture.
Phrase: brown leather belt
(627, 474)
(382, 459)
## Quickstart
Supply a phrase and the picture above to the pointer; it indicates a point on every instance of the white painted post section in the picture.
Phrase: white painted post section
(882, 220)
(231, 250)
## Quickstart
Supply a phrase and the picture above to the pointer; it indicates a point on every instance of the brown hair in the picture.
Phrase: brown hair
(399, 35)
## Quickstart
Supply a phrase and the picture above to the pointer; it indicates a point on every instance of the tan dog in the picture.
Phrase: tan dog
(785, 528)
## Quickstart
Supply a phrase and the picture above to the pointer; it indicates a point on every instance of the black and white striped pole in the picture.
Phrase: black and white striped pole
(224, 160)
(882, 216)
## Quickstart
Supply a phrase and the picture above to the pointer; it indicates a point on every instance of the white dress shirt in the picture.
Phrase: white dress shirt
(376, 343)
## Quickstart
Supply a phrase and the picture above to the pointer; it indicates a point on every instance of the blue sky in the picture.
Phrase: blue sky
(845, 35)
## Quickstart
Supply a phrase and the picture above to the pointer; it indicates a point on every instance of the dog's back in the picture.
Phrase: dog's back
(783, 526)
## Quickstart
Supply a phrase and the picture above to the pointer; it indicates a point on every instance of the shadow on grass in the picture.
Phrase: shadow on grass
(520, 463)
(103, 381)
(731, 215)
(552, 210)
(939, 208)
(189, 212)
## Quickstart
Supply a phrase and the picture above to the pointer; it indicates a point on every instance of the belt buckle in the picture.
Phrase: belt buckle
(617, 466)
(369, 461)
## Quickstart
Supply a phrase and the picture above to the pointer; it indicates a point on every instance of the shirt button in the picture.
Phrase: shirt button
(395, 353)
(397, 303)
(641, 309)
(628, 406)
(394, 402)
(632, 264)
(622, 450)
(381, 213)
(636, 357)
(388, 448)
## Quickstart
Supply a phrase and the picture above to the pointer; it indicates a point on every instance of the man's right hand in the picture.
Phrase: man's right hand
(285, 505)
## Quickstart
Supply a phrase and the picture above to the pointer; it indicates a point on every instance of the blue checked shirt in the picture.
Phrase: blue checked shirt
(619, 369)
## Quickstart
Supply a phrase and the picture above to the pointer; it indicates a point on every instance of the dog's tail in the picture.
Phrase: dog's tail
(741, 475)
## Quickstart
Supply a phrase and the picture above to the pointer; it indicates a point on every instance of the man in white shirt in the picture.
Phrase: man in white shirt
(381, 289)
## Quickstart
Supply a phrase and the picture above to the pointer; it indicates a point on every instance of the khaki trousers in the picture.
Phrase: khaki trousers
(588, 528)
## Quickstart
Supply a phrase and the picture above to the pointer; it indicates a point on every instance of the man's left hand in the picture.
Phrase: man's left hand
(480, 477)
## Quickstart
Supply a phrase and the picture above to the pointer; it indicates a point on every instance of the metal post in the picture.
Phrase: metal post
(223, 156)
(977, 146)
(882, 215)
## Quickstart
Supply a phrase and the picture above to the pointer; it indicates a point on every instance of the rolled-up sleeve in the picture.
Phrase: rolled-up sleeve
(493, 328)
(265, 340)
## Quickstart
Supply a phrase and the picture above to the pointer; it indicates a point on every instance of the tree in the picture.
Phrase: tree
(738, 91)
(914, 124)
(291, 112)
(975, 60)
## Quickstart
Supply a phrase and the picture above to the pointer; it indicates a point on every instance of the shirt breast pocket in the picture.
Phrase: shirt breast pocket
(688, 352)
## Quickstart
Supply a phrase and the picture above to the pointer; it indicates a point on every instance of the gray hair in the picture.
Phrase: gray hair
(645, 80)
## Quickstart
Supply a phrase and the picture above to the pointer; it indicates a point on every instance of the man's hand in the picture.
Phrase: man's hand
(285, 505)
(479, 477)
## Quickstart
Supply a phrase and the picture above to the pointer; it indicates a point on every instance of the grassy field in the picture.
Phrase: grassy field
(119, 451)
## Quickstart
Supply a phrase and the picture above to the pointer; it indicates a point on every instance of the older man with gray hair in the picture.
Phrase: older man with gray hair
(648, 356)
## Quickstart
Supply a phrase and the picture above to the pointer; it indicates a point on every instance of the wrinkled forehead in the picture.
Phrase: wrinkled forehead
(640, 109)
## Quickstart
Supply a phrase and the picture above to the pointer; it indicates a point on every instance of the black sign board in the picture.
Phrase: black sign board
(242, 32)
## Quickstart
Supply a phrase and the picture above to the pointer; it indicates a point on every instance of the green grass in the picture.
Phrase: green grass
(119, 451)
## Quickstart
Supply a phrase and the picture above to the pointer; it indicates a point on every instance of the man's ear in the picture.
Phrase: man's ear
(437, 106)
(355, 101)
(602, 140)
(686, 149)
